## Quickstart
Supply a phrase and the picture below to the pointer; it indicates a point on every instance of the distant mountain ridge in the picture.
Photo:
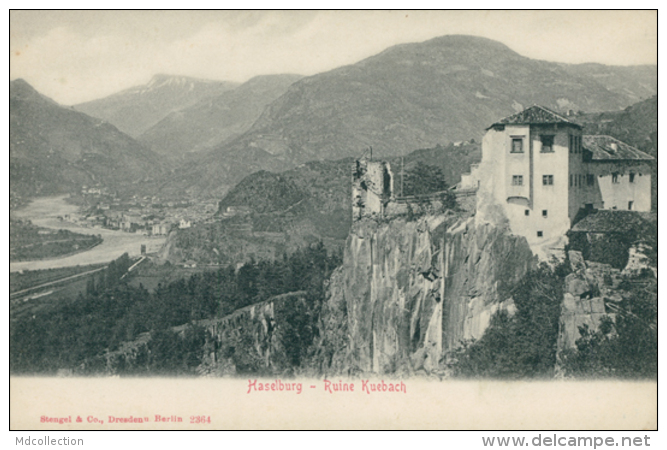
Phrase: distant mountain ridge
(407, 97)
(635, 82)
(135, 110)
(215, 119)
(54, 149)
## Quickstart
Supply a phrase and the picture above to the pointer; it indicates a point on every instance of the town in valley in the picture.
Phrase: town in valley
(441, 205)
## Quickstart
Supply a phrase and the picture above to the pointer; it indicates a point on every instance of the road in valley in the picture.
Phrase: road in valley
(44, 212)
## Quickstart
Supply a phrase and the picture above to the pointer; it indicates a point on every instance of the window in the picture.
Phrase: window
(614, 178)
(590, 179)
(517, 145)
(574, 144)
(547, 143)
(544, 213)
(527, 212)
(539, 234)
(571, 179)
(630, 205)
(570, 143)
(547, 180)
(588, 206)
(632, 178)
(586, 155)
(517, 180)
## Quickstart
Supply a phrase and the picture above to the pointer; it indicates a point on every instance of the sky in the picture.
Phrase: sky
(76, 56)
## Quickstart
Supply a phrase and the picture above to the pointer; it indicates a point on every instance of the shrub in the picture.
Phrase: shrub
(519, 346)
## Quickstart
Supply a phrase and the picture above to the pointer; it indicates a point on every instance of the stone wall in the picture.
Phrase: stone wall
(372, 187)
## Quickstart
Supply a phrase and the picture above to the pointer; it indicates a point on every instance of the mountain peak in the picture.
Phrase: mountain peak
(19, 83)
(22, 90)
(458, 47)
(161, 79)
(136, 109)
(21, 86)
(467, 40)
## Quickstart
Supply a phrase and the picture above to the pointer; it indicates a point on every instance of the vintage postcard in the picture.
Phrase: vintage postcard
(333, 220)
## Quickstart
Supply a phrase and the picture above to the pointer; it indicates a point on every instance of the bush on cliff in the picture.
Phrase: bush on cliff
(626, 347)
(430, 192)
(519, 346)
(424, 179)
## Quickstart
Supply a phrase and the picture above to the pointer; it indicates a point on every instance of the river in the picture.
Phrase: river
(44, 212)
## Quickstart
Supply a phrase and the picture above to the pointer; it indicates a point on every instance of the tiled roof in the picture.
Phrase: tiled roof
(623, 222)
(535, 115)
(606, 148)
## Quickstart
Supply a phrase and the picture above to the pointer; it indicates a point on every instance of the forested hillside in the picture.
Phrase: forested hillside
(112, 312)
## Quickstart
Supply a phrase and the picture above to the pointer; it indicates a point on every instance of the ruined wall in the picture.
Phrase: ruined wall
(410, 291)
(372, 188)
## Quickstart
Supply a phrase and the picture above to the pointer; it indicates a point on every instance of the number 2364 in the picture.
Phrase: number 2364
(200, 419)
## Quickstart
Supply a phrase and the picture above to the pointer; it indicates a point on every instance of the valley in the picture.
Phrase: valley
(45, 213)
(337, 223)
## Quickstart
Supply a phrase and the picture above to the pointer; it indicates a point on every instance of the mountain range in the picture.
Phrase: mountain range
(135, 110)
(407, 97)
(312, 201)
(213, 120)
(54, 149)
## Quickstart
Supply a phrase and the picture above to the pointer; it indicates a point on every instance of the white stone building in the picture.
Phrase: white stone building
(542, 171)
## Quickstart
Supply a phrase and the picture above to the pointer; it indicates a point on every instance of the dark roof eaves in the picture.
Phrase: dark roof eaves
(637, 155)
(610, 160)
(560, 119)
(575, 125)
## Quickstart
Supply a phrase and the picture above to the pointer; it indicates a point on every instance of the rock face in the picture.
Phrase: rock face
(409, 291)
(590, 290)
(270, 337)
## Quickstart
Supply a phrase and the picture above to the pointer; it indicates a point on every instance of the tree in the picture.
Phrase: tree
(626, 347)
(523, 345)
(424, 179)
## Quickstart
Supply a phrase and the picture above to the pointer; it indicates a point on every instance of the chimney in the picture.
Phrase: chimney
(614, 146)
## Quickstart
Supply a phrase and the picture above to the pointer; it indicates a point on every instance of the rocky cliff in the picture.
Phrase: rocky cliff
(594, 290)
(589, 295)
(270, 337)
(409, 291)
